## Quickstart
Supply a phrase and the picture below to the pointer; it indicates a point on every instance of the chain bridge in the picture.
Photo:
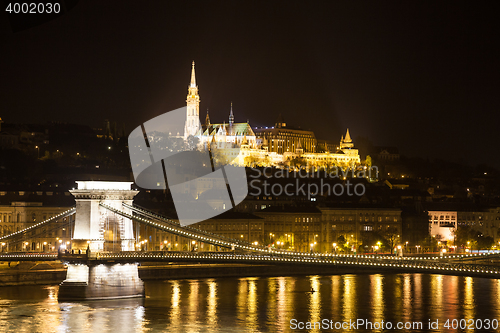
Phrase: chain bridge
(95, 272)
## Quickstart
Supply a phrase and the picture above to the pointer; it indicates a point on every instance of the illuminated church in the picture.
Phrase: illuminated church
(225, 135)
(276, 146)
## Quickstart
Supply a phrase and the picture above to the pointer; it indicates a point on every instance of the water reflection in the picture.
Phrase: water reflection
(437, 295)
(175, 308)
(377, 295)
(349, 298)
(212, 303)
(256, 304)
(251, 315)
(193, 302)
(468, 303)
(407, 297)
(283, 307)
(315, 302)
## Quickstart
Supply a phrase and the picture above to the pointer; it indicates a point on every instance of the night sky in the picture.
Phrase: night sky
(421, 76)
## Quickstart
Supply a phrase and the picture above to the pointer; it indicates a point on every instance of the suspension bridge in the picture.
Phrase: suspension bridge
(95, 272)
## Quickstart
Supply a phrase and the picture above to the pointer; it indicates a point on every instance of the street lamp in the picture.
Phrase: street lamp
(37, 151)
(334, 248)
(271, 236)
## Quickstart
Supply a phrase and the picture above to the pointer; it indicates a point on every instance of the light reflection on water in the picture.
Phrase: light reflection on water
(256, 304)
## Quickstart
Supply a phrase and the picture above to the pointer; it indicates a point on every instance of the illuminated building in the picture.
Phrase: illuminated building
(241, 145)
(358, 225)
(282, 139)
(442, 225)
(22, 209)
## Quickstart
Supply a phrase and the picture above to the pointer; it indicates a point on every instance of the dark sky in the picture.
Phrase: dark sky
(422, 76)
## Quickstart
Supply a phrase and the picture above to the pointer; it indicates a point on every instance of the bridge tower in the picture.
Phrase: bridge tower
(88, 279)
(92, 219)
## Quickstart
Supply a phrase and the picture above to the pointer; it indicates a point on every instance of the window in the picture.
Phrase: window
(367, 228)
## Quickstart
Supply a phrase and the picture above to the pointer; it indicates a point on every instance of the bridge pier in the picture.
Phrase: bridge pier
(91, 281)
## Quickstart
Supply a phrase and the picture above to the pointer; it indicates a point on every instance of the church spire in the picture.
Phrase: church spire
(347, 137)
(193, 77)
(231, 116)
(207, 120)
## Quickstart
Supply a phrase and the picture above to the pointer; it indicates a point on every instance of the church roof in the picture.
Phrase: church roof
(237, 129)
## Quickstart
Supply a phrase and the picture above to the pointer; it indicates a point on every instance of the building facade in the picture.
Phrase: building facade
(281, 145)
(22, 209)
(442, 225)
(361, 227)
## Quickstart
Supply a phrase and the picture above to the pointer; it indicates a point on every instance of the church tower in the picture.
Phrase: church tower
(346, 142)
(192, 126)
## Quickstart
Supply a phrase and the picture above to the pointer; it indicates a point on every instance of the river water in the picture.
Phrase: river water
(271, 304)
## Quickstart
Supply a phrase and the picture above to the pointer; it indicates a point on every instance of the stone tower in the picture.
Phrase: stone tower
(192, 126)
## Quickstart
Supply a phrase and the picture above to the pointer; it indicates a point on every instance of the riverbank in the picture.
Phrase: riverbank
(31, 273)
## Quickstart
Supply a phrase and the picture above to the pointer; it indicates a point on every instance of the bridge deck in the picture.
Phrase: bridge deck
(448, 265)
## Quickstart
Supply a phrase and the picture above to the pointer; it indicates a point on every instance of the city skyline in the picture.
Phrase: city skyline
(419, 78)
(219, 166)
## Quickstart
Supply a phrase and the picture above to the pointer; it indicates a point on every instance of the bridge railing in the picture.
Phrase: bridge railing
(181, 231)
(70, 211)
(142, 210)
(374, 263)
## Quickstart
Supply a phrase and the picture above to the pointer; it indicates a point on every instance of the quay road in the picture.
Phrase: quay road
(450, 265)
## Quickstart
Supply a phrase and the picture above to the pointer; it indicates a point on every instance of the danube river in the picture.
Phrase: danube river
(271, 304)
